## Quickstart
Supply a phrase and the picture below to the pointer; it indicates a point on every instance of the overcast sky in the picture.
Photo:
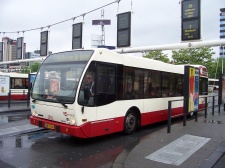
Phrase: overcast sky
(154, 22)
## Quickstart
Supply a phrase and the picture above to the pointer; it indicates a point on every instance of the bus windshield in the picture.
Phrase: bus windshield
(58, 76)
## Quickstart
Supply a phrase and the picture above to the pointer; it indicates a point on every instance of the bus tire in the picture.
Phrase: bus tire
(130, 122)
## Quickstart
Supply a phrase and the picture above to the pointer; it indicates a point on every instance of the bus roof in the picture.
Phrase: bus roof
(13, 74)
(105, 55)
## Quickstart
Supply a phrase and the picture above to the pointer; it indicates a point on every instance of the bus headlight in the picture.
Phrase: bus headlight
(70, 121)
(33, 113)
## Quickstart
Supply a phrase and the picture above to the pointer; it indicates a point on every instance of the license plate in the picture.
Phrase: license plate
(49, 126)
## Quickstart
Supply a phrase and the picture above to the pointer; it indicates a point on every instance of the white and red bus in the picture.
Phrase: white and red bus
(17, 83)
(89, 93)
(213, 85)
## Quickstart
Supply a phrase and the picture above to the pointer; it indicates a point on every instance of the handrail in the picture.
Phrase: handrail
(196, 113)
(25, 92)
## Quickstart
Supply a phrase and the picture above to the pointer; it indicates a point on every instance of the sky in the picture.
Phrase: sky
(154, 22)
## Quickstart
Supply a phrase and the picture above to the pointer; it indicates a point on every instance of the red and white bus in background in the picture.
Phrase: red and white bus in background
(89, 93)
(213, 84)
(17, 83)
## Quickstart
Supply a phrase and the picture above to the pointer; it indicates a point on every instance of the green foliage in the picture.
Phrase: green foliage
(217, 68)
(25, 70)
(157, 55)
(34, 66)
(197, 56)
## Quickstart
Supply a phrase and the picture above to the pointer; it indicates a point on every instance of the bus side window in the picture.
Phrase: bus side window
(105, 84)
(87, 90)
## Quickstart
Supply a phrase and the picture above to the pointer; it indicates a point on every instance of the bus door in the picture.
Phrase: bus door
(87, 97)
(105, 96)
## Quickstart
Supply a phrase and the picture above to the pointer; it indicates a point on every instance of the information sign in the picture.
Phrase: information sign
(124, 29)
(77, 36)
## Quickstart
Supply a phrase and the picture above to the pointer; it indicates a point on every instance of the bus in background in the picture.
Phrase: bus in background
(213, 85)
(17, 83)
(89, 93)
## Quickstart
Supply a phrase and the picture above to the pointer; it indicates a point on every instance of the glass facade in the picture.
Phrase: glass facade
(222, 30)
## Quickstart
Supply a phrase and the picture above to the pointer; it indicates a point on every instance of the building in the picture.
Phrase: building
(30, 55)
(10, 49)
(222, 31)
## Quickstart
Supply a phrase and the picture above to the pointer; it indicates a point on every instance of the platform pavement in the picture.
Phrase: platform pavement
(15, 106)
(209, 155)
(16, 127)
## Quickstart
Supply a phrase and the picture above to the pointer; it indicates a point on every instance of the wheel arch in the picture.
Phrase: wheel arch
(137, 112)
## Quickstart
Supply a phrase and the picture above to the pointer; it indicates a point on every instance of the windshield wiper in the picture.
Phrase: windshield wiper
(34, 100)
(60, 101)
(42, 97)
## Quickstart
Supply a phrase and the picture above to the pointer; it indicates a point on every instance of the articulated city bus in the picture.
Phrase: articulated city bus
(17, 83)
(89, 93)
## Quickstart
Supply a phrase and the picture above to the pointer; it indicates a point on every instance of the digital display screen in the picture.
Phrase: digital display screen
(123, 29)
(77, 43)
(190, 9)
(77, 30)
(77, 36)
(43, 50)
(44, 43)
(190, 30)
(19, 42)
(124, 20)
(44, 37)
(123, 38)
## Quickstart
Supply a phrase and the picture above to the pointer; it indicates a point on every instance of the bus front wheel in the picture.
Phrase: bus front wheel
(130, 123)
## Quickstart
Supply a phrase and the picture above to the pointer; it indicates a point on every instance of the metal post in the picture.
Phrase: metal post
(196, 115)
(213, 103)
(28, 98)
(9, 98)
(185, 112)
(219, 104)
(169, 117)
(206, 106)
(23, 94)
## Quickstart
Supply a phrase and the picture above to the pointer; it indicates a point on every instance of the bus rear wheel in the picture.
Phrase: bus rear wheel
(130, 123)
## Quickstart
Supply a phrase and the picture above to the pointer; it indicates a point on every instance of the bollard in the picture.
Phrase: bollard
(169, 117)
(206, 106)
(23, 94)
(213, 103)
(9, 98)
(219, 103)
(196, 115)
(28, 99)
(185, 112)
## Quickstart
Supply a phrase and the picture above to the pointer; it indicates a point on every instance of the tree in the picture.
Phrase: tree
(157, 55)
(217, 68)
(197, 56)
(35, 66)
(25, 70)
